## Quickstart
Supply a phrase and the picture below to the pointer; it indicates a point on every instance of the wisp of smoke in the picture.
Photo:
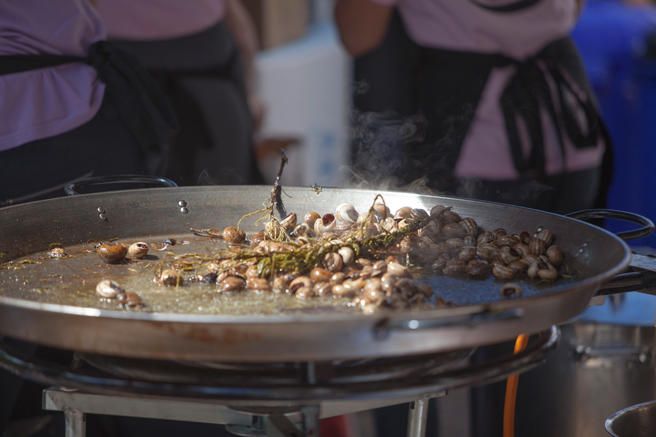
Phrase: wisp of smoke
(204, 178)
(378, 158)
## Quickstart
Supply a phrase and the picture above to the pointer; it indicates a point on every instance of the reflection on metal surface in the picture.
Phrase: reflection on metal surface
(634, 421)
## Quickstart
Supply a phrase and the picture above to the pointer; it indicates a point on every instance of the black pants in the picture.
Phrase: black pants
(40, 169)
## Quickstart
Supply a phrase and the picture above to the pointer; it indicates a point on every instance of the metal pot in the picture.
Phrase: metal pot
(635, 421)
(604, 361)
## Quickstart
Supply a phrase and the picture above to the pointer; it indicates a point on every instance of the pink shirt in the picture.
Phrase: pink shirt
(158, 19)
(463, 25)
(49, 101)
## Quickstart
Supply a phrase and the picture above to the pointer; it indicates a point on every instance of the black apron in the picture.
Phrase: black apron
(202, 76)
(444, 88)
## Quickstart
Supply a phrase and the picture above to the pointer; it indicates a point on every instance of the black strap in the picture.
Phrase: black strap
(142, 107)
(10, 64)
(528, 93)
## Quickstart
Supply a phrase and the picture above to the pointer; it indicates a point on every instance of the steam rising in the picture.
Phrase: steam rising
(379, 140)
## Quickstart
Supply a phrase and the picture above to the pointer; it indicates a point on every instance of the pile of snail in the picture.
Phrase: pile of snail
(375, 259)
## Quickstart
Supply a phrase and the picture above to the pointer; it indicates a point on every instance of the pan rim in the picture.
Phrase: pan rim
(262, 319)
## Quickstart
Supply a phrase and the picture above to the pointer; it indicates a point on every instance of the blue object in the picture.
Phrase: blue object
(634, 309)
(613, 40)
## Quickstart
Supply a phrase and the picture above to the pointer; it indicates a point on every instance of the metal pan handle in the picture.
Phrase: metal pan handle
(104, 183)
(646, 228)
(383, 328)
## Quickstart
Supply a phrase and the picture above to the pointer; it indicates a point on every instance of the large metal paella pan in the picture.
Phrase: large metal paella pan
(48, 301)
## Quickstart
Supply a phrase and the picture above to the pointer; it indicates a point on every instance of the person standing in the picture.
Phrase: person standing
(496, 89)
(485, 99)
(71, 105)
(202, 55)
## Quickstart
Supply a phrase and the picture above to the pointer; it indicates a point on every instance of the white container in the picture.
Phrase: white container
(305, 87)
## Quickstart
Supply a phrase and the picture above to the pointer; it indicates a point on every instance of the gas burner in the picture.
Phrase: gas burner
(389, 378)
(252, 399)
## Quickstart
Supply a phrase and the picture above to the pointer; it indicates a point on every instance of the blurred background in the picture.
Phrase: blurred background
(305, 87)
(304, 77)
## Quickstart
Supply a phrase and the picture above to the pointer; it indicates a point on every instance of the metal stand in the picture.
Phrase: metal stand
(75, 423)
(276, 401)
(417, 418)
(240, 419)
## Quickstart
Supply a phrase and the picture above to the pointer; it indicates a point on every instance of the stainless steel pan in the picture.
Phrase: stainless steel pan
(481, 317)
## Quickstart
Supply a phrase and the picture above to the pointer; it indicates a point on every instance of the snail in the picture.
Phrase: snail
(280, 283)
(233, 235)
(485, 237)
(470, 226)
(449, 216)
(511, 289)
(548, 273)
(537, 246)
(418, 214)
(380, 210)
(137, 250)
(337, 278)
(289, 222)
(347, 254)
(171, 277)
(310, 218)
(438, 265)
(477, 268)
(326, 223)
(232, 283)
(453, 230)
(454, 267)
(112, 253)
(365, 273)
(346, 215)
(378, 268)
(130, 300)
(545, 235)
(437, 210)
(304, 293)
(333, 262)
(340, 291)
(207, 278)
(396, 269)
(319, 274)
(467, 254)
(322, 288)
(555, 255)
(256, 238)
(402, 213)
(502, 272)
(301, 281)
(302, 230)
(259, 284)
(109, 289)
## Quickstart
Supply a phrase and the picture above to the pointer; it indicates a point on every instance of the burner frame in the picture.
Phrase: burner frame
(296, 409)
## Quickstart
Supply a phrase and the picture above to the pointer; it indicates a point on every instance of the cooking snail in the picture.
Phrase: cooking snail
(370, 258)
